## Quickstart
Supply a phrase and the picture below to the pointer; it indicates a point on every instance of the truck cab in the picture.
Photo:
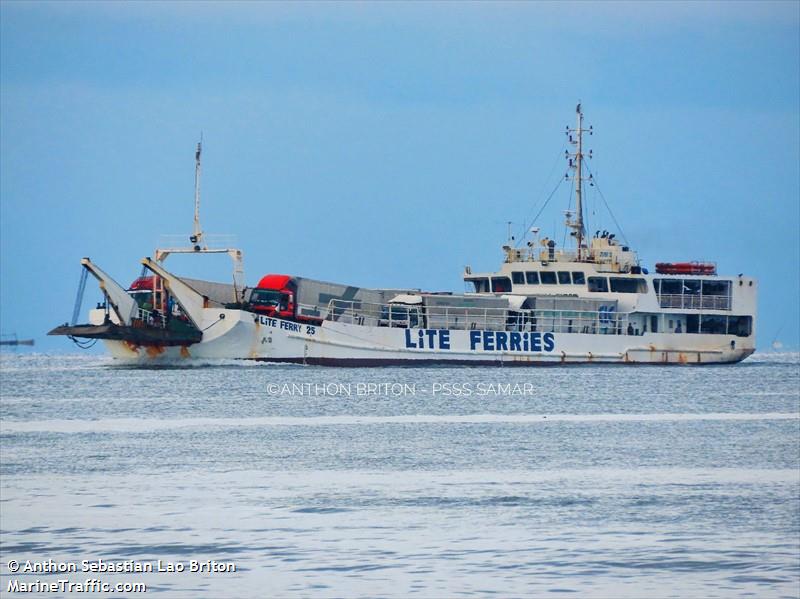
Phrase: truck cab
(275, 296)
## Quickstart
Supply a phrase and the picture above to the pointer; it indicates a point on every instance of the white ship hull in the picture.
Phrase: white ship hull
(244, 335)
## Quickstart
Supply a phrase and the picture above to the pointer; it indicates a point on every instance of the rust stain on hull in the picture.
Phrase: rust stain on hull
(132, 347)
(153, 351)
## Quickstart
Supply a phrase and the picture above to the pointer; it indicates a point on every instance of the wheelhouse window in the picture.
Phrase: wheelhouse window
(501, 284)
(564, 278)
(532, 277)
(548, 277)
(518, 278)
(578, 278)
(628, 285)
(598, 284)
(481, 285)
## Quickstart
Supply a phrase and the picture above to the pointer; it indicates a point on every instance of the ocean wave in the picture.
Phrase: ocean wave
(775, 357)
(141, 425)
(53, 362)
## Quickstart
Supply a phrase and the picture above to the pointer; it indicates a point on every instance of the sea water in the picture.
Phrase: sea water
(242, 479)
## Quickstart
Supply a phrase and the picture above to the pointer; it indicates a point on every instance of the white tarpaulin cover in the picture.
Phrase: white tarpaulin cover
(406, 299)
(514, 301)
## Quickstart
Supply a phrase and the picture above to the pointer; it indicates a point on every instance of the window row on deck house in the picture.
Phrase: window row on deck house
(502, 284)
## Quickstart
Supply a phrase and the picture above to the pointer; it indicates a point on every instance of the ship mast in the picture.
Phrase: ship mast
(576, 163)
(197, 236)
(578, 176)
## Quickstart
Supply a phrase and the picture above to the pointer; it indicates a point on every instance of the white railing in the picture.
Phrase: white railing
(310, 310)
(694, 302)
(475, 318)
(604, 255)
(543, 254)
(152, 319)
(209, 240)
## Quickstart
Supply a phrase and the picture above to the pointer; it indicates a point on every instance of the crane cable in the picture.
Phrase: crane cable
(552, 170)
(547, 201)
(76, 311)
(602, 197)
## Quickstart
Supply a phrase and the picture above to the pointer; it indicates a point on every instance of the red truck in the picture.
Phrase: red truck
(276, 295)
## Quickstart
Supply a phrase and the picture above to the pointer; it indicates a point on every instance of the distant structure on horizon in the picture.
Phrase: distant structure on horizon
(13, 341)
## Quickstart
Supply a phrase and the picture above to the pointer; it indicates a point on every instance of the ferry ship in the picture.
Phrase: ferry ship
(591, 303)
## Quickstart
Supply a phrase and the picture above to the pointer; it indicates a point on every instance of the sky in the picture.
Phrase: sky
(389, 144)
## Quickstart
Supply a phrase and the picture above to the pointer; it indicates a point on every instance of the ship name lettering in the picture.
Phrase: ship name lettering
(290, 326)
(428, 339)
(511, 341)
(270, 322)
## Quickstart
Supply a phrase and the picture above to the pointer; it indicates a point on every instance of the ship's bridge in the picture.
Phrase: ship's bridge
(545, 264)
(605, 253)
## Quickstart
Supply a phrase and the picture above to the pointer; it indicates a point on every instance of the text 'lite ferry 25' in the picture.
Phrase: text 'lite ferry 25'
(545, 305)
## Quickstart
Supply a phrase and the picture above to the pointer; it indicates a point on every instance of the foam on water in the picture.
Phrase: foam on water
(143, 425)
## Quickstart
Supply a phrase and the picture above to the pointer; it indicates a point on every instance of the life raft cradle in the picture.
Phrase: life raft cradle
(686, 268)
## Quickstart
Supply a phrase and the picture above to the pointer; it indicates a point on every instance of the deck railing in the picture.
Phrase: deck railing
(310, 310)
(476, 318)
(694, 302)
(602, 255)
(153, 319)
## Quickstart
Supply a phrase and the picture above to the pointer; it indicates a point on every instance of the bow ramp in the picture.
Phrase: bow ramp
(191, 302)
(123, 304)
(122, 318)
